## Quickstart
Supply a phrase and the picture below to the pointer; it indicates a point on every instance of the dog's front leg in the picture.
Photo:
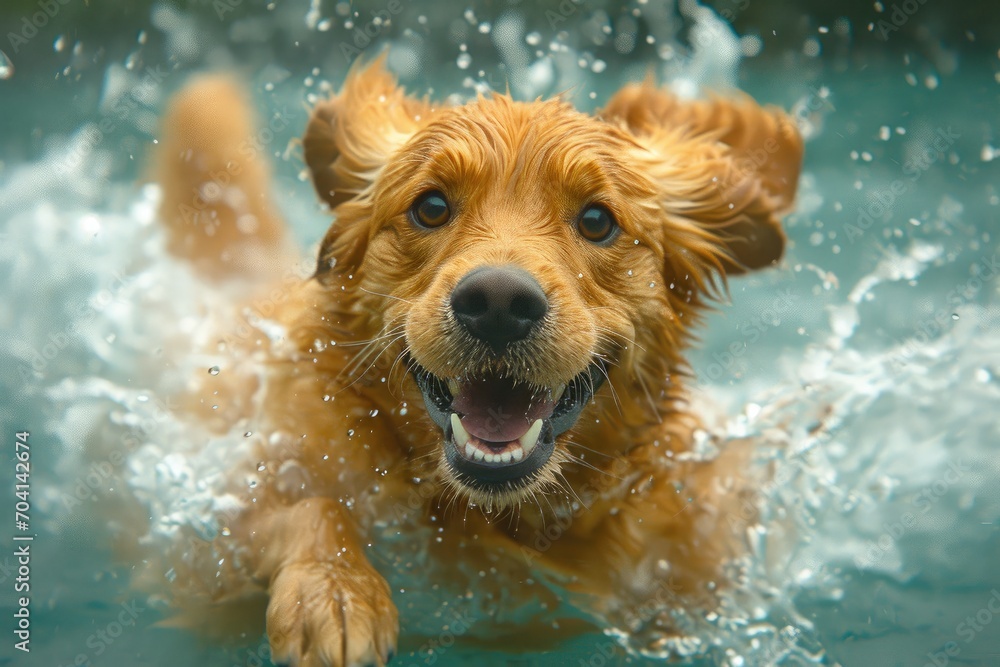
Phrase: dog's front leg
(328, 606)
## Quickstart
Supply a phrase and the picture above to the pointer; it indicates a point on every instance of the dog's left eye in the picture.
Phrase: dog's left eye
(431, 210)
(596, 224)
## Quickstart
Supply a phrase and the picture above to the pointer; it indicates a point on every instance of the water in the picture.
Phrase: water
(866, 367)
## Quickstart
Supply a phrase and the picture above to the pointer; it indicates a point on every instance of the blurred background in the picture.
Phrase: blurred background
(866, 363)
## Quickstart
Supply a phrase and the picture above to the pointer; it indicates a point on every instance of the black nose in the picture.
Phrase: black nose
(498, 304)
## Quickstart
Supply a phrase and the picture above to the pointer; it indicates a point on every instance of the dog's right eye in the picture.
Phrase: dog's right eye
(597, 224)
(430, 210)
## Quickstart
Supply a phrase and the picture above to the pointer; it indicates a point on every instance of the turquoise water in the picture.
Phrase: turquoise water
(866, 365)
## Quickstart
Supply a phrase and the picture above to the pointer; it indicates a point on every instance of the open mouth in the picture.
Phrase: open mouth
(499, 431)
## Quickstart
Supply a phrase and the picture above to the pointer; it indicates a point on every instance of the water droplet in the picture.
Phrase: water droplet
(464, 60)
(248, 434)
(6, 67)
(170, 574)
(350, 433)
(533, 38)
(373, 413)
(261, 467)
(214, 370)
(954, 316)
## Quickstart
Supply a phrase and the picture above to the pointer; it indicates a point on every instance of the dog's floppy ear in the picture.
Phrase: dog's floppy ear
(352, 135)
(348, 141)
(726, 168)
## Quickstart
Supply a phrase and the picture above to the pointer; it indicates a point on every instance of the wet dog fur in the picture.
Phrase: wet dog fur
(694, 191)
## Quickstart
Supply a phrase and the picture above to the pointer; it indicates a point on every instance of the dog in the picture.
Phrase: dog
(491, 348)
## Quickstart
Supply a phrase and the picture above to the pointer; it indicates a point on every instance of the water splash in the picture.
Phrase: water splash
(6, 67)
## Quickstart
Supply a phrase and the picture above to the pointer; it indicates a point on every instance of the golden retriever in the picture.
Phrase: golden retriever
(490, 349)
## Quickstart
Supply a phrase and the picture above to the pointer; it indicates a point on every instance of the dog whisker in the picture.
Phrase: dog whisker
(578, 461)
(594, 451)
(618, 334)
(570, 490)
(376, 339)
(387, 296)
(387, 331)
(402, 353)
(358, 359)
(607, 377)
(374, 361)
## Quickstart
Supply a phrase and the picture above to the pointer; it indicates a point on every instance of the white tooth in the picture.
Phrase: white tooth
(530, 439)
(478, 454)
(470, 451)
(557, 394)
(517, 454)
(453, 387)
(505, 457)
(489, 458)
(461, 435)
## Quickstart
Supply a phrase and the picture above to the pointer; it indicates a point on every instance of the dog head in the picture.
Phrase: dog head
(521, 254)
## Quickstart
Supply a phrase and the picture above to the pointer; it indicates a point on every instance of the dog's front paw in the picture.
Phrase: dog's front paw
(331, 615)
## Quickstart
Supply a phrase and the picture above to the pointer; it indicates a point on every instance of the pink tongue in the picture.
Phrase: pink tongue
(494, 410)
